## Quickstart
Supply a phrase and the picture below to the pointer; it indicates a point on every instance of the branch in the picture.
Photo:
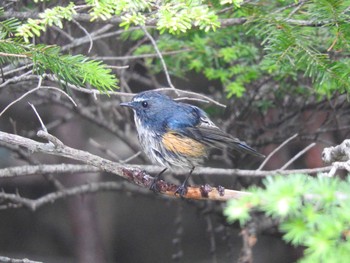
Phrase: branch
(135, 175)
(19, 201)
(276, 150)
(14, 260)
(28, 170)
(81, 17)
(338, 156)
(166, 72)
(338, 153)
(298, 155)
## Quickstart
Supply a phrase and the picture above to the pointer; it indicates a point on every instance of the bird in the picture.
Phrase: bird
(174, 134)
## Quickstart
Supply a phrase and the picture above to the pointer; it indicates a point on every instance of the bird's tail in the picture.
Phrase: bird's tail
(243, 147)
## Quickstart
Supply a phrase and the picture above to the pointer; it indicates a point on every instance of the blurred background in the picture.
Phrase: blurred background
(131, 224)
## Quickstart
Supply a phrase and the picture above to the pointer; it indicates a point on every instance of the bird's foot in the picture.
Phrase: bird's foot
(181, 190)
(153, 186)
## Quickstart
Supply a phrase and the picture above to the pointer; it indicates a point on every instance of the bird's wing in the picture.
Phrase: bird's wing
(214, 137)
(205, 131)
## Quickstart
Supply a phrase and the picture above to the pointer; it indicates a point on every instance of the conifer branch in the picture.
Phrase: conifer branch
(116, 20)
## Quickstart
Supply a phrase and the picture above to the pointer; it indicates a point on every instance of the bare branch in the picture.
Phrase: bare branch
(166, 72)
(33, 90)
(134, 175)
(24, 95)
(14, 260)
(38, 116)
(276, 150)
(337, 153)
(86, 33)
(165, 53)
(2, 54)
(27, 170)
(51, 197)
(339, 166)
(298, 155)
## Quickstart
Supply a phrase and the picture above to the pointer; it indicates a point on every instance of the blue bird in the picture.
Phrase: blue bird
(175, 134)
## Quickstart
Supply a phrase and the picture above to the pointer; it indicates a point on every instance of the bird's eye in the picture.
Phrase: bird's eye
(145, 104)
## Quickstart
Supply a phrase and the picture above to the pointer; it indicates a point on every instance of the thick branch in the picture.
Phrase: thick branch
(134, 175)
(27, 170)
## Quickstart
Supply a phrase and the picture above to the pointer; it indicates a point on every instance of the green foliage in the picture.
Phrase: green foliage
(237, 3)
(180, 16)
(272, 44)
(313, 212)
(78, 70)
(8, 27)
(300, 44)
(49, 17)
(172, 16)
(221, 55)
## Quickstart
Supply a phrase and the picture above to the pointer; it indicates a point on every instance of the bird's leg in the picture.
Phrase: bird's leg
(153, 186)
(182, 189)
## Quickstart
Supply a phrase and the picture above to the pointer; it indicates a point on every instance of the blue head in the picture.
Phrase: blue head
(159, 112)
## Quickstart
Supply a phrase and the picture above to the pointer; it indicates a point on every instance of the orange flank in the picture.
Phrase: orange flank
(183, 145)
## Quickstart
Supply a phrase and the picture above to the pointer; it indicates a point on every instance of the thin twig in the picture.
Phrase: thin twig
(38, 116)
(166, 53)
(104, 150)
(3, 54)
(276, 150)
(61, 91)
(132, 157)
(97, 34)
(87, 34)
(18, 69)
(23, 96)
(127, 94)
(159, 55)
(298, 155)
(35, 89)
(193, 94)
(192, 99)
(20, 78)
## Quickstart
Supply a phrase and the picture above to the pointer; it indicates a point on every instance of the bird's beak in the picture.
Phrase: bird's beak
(127, 104)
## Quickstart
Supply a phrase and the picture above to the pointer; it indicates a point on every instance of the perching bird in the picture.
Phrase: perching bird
(175, 134)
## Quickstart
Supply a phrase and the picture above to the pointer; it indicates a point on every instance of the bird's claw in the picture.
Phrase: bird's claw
(181, 190)
(154, 187)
